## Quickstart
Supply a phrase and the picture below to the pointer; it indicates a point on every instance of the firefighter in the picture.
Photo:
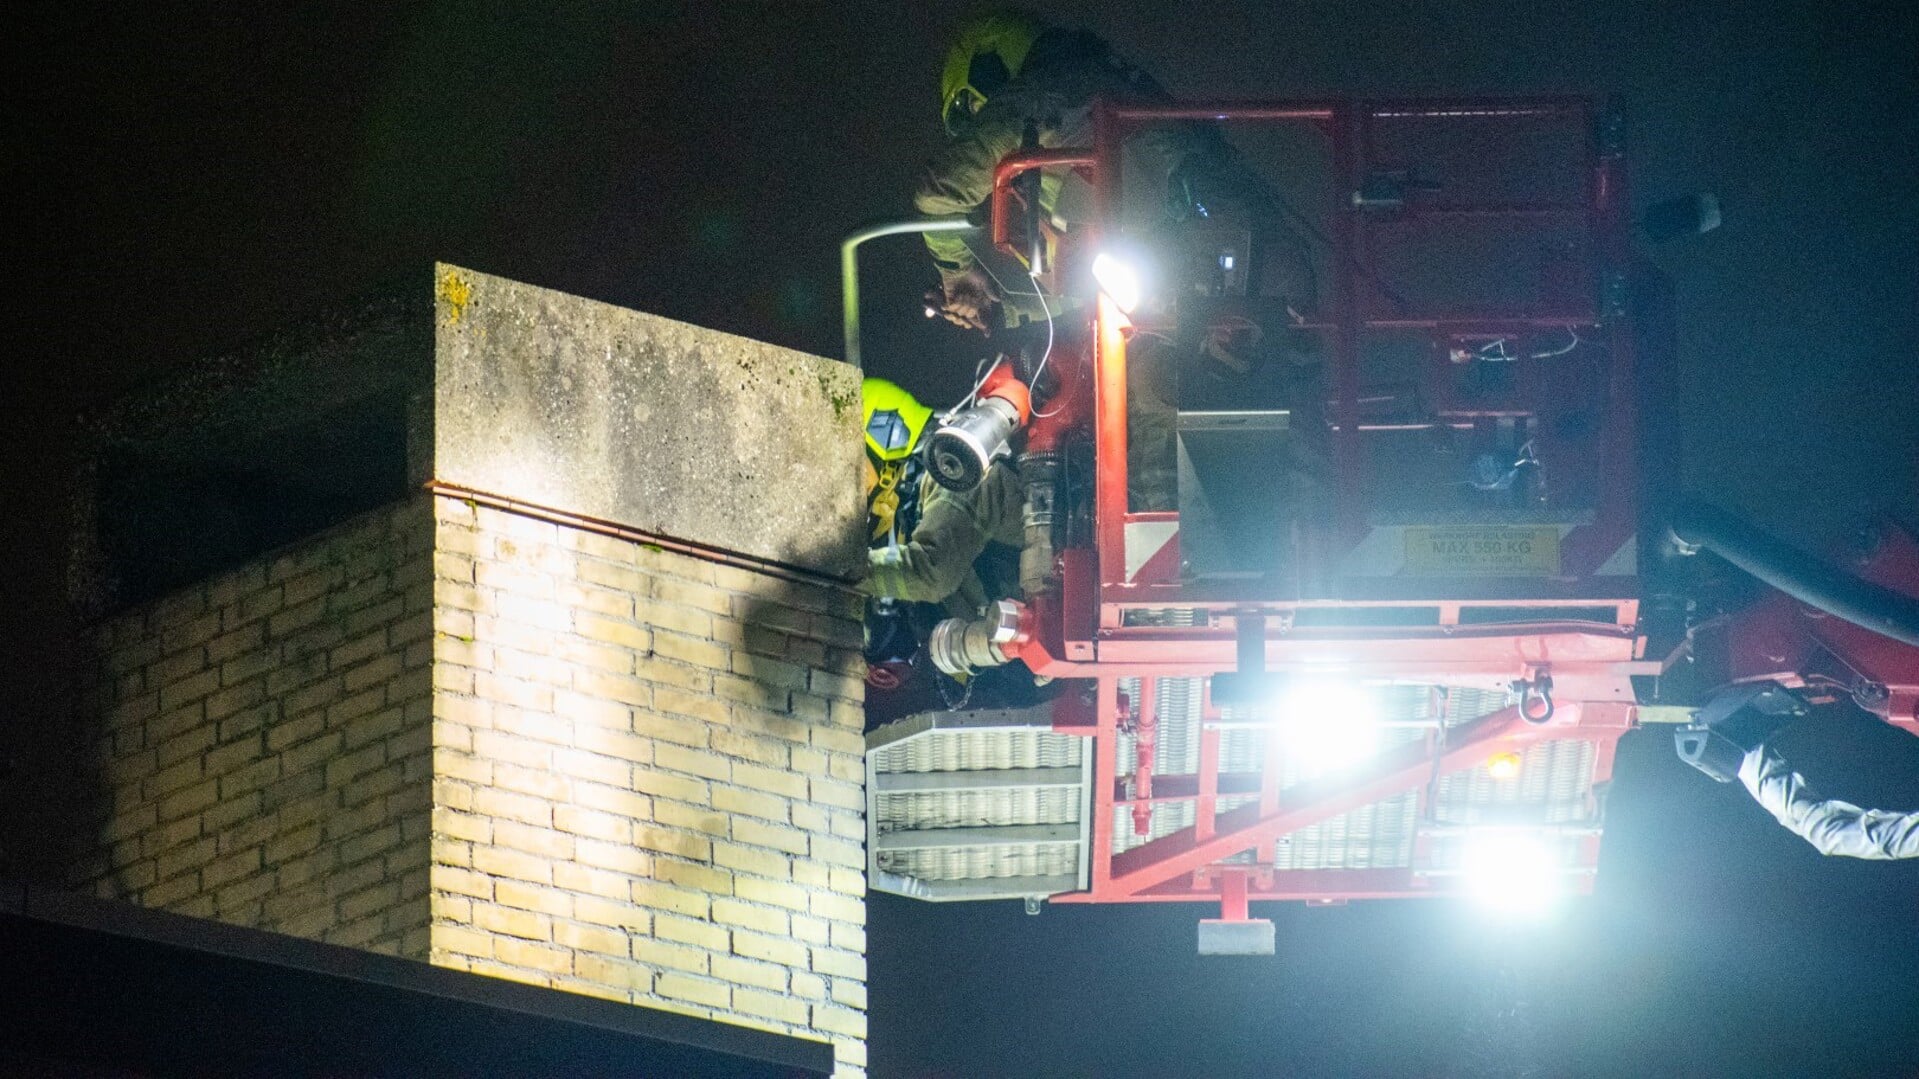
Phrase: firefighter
(1008, 73)
(1009, 81)
(1007, 76)
(932, 553)
(1005, 73)
(893, 423)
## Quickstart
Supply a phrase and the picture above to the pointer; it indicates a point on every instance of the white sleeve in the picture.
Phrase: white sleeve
(1833, 827)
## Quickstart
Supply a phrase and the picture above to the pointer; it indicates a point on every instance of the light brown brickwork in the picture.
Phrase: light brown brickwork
(636, 754)
(510, 746)
(264, 741)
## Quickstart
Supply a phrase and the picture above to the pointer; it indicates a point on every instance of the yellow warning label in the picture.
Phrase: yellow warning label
(1482, 551)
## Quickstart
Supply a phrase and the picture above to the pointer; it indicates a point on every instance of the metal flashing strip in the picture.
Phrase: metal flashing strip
(619, 531)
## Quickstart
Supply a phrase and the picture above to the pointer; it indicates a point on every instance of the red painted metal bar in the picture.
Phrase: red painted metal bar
(1570, 641)
(1109, 367)
(1012, 167)
(1502, 592)
(1589, 666)
(1232, 897)
(1109, 443)
(1320, 885)
(1571, 684)
(1246, 827)
(1285, 884)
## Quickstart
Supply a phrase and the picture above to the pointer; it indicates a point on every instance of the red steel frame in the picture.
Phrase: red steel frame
(1778, 639)
(1079, 631)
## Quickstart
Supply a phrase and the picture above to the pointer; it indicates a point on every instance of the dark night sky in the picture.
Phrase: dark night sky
(186, 180)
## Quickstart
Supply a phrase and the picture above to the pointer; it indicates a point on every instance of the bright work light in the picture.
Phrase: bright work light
(1503, 766)
(1327, 725)
(1119, 279)
(1513, 872)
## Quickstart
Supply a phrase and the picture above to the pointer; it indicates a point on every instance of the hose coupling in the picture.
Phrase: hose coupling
(960, 646)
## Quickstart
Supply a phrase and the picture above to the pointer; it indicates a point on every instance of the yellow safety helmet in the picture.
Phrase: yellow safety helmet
(893, 420)
(988, 51)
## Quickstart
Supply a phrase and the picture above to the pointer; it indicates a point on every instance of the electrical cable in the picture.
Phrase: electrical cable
(1576, 342)
(1048, 354)
(980, 260)
(972, 394)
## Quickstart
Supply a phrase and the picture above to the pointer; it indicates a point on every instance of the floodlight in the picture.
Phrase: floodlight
(1327, 725)
(1512, 872)
(1119, 278)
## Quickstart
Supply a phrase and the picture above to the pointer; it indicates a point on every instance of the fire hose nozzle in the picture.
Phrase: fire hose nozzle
(964, 446)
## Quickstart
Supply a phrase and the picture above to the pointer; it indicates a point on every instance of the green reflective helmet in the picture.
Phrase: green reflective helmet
(987, 52)
(893, 419)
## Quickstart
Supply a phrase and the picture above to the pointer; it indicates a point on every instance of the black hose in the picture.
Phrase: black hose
(1797, 574)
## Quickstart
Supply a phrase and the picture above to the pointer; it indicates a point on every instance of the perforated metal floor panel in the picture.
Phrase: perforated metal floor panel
(984, 804)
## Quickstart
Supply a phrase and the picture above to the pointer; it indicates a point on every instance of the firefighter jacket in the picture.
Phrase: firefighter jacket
(1054, 93)
(1834, 827)
(936, 563)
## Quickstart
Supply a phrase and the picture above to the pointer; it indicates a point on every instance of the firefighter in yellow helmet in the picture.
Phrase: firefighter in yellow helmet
(1011, 81)
(1004, 74)
(931, 553)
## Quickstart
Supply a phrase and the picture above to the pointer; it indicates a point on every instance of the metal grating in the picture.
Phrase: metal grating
(984, 863)
(1370, 837)
(962, 750)
(974, 809)
(1554, 786)
(980, 806)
